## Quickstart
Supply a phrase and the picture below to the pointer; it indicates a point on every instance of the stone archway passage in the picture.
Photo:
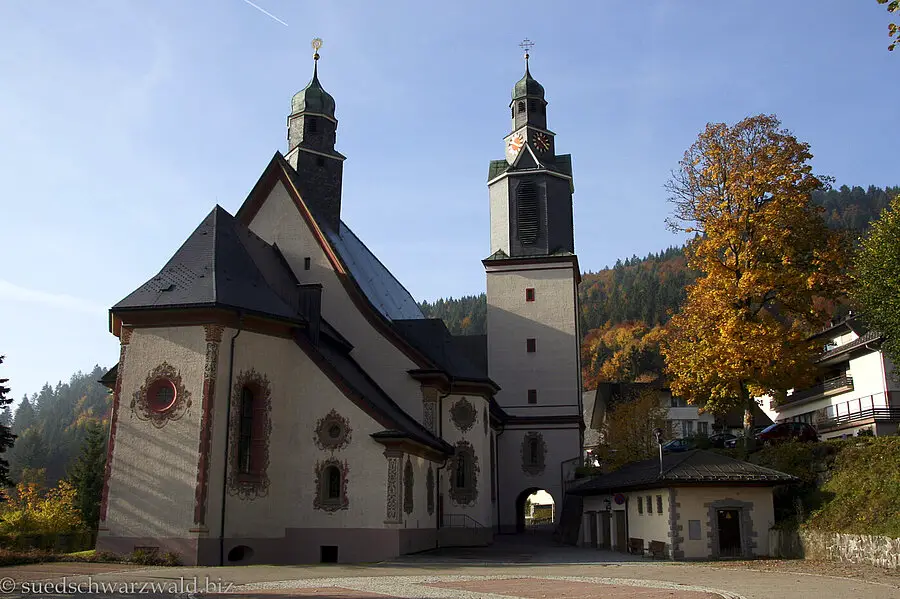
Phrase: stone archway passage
(521, 502)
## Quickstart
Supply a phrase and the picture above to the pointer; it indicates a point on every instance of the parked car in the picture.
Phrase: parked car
(678, 445)
(739, 439)
(787, 431)
(719, 440)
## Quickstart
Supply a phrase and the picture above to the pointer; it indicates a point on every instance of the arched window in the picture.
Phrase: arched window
(462, 467)
(408, 488)
(532, 105)
(332, 484)
(533, 451)
(521, 106)
(245, 439)
(527, 211)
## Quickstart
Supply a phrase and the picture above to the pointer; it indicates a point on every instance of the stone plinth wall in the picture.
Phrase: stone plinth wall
(857, 549)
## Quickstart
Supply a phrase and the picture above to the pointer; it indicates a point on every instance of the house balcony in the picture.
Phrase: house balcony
(873, 409)
(835, 386)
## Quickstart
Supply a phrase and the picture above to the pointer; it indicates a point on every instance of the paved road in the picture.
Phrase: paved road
(512, 568)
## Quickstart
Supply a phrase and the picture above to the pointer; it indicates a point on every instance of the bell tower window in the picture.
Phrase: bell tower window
(312, 125)
(527, 212)
(521, 106)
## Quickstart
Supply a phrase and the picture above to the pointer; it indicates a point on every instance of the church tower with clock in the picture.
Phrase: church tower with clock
(533, 334)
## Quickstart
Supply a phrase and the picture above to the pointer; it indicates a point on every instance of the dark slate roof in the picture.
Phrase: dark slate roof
(497, 168)
(108, 380)
(382, 289)
(451, 353)
(870, 337)
(697, 467)
(474, 347)
(335, 359)
(222, 264)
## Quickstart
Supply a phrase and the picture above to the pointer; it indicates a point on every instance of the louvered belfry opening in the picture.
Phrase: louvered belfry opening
(527, 212)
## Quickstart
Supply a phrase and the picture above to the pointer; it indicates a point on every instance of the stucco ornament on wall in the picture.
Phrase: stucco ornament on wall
(256, 484)
(162, 397)
(534, 453)
(408, 487)
(332, 432)
(465, 469)
(463, 414)
(331, 494)
(484, 419)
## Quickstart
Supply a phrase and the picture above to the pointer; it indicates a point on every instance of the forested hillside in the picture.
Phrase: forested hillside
(52, 425)
(623, 306)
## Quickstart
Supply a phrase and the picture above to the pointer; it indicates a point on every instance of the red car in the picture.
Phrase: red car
(787, 431)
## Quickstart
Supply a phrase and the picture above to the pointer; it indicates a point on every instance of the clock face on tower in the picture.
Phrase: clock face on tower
(542, 142)
(514, 146)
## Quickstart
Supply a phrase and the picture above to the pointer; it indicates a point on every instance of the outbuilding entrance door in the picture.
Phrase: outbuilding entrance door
(592, 523)
(604, 531)
(729, 524)
(621, 533)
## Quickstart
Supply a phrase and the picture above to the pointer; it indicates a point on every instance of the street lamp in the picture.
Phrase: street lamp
(658, 432)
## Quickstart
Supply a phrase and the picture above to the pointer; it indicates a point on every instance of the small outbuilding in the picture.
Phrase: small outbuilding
(692, 505)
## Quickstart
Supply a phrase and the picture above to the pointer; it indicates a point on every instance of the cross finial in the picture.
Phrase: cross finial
(316, 44)
(526, 45)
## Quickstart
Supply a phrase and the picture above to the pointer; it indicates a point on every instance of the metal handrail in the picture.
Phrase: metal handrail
(837, 382)
(882, 414)
(460, 521)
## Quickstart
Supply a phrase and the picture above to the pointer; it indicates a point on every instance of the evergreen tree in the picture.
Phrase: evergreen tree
(24, 417)
(30, 453)
(87, 474)
(7, 438)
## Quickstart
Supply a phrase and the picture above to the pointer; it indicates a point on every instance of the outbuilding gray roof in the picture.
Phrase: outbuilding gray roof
(696, 467)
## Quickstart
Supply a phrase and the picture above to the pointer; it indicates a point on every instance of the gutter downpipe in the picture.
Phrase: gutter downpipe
(440, 427)
(227, 439)
(496, 478)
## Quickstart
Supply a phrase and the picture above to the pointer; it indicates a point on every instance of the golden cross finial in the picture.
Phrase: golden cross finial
(527, 45)
(316, 44)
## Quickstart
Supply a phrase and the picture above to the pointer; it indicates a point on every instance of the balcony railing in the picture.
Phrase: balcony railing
(829, 387)
(460, 521)
(877, 414)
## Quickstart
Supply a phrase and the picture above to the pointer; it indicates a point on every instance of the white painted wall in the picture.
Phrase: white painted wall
(154, 470)
(279, 221)
(499, 206)
(553, 369)
(300, 395)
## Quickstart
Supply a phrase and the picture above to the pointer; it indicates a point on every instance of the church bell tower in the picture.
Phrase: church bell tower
(312, 133)
(533, 333)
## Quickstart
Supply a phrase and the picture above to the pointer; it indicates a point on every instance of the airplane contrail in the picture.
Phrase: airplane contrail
(265, 12)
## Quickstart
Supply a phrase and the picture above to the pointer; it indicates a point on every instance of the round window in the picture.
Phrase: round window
(334, 431)
(161, 395)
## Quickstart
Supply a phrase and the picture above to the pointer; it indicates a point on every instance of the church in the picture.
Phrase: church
(281, 398)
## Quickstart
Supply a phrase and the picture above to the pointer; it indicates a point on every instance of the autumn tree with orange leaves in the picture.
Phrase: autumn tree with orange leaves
(765, 257)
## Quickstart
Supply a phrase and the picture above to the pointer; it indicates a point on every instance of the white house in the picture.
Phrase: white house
(857, 388)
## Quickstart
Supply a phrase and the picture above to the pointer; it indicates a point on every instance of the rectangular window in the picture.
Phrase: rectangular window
(659, 504)
(649, 504)
(640, 504)
(306, 263)
(703, 428)
(529, 294)
(530, 344)
(694, 530)
(687, 428)
(532, 396)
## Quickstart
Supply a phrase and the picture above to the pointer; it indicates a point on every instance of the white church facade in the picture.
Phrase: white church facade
(281, 398)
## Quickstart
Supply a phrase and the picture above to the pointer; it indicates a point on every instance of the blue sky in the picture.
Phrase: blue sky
(124, 122)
